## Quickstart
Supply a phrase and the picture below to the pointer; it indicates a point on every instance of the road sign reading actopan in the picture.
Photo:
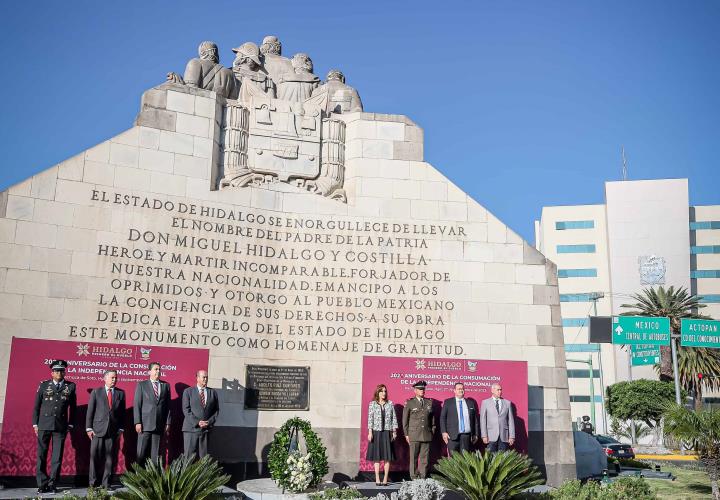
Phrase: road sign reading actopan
(641, 330)
(699, 333)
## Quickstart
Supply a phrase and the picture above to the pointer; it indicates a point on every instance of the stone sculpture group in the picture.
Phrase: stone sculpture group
(278, 124)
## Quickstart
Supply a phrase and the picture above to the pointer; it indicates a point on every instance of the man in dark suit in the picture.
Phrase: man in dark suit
(53, 416)
(200, 407)
(151, 412)
(459, 421)
(104, 423)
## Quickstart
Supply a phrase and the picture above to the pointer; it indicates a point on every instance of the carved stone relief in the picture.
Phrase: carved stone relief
(278, 123)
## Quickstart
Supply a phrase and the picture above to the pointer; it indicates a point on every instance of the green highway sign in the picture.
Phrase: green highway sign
(641, 330)
(699, 333)
(643, 354)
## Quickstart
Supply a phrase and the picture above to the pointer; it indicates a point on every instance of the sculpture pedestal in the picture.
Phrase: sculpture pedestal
(266, 489)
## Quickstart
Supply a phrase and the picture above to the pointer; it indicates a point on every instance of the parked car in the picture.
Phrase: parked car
(614, 448)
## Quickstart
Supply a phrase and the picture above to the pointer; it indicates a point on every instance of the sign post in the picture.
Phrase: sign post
(699, 333)
(642, 330)
(643, 355)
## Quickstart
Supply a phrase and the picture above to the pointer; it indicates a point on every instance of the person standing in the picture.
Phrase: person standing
(151, 413)
(104, 423)
(497, 421)
(459, 421)
(419, 427)
(53, 416)
(201, 409)
(382, 431)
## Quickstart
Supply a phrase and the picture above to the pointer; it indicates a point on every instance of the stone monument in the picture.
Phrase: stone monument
(261, 214)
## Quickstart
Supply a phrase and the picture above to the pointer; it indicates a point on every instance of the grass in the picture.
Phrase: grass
(690, 484)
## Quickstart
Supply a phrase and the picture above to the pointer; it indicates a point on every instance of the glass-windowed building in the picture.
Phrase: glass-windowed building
(645, 234)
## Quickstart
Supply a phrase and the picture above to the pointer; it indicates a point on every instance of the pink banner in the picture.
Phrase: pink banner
(399, 374)
(29, 365)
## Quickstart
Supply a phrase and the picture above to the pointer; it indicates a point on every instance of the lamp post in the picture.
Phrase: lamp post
(592, 387)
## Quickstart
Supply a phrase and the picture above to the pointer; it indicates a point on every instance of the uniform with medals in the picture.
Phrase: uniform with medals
(53, 416)
(419, 427)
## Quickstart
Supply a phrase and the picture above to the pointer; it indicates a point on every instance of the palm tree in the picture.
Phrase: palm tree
(694, 360)
(702, 428)
(670, 303)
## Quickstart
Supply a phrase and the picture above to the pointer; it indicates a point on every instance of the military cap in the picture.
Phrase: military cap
(420, 384)
(59, 364)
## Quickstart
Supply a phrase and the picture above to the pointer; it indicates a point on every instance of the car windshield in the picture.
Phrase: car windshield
(606, 440)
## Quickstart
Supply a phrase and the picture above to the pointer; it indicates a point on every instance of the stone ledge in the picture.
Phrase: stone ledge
(266, 489)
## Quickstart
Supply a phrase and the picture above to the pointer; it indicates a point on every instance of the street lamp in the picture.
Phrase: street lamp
(592, 387)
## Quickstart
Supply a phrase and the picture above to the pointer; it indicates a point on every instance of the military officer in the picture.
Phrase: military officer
(53, 416)
(419, 427)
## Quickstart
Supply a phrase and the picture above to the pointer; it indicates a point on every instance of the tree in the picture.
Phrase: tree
(694, 360)
(702, 428)
(644, 400)
(670, 303)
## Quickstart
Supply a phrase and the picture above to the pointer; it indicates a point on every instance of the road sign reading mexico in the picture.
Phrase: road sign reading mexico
(699, 333)
(641, 330)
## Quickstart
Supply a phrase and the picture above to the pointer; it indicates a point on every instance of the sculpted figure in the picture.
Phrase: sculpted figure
(206, 72)
(299, 85)
(246, 69)
(273, 62)
(342, 98)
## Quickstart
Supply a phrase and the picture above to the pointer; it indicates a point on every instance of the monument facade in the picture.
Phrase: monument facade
(259, 213)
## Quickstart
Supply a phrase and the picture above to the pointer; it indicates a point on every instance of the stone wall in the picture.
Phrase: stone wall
(63, 231)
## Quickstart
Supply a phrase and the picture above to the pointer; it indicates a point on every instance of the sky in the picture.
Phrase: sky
(524, 104)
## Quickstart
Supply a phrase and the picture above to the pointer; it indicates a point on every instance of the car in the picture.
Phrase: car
(614, 448)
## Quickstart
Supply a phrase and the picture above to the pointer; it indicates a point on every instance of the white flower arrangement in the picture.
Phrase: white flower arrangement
(299, 471)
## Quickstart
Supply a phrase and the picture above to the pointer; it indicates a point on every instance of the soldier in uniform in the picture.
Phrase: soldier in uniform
(53, 416)
(419, 427)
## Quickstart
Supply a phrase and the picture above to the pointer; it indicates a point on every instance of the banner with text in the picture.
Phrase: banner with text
(30, 364)
(399, 374)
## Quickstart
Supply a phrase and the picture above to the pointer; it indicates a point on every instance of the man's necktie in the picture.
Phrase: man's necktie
(462, 418)
(109, 396)
(157, 391)
(202, 397)
(497, 406)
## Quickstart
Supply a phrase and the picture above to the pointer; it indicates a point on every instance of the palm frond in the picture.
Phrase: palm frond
(492, 476)
(185, 479)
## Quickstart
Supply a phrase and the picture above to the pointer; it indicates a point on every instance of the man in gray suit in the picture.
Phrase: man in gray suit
(104, 423)
(497, 421)
(151, 413)
(200, 407)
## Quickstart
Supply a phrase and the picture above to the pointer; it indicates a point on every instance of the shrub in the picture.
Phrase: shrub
(98, 494)
(280, 452)
(337, 494)
(185, 479)
(421, 489)
(631, 488)
(624, 488)
(637, 464)
(488, 477)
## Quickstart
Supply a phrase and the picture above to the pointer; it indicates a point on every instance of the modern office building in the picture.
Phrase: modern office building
(645, 234)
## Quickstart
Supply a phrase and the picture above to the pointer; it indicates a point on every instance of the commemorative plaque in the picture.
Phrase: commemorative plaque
(270, 387)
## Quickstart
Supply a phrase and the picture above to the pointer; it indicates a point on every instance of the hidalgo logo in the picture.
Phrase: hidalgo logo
(83, 349)
(472, 365)
(419, 364)
(145, 352)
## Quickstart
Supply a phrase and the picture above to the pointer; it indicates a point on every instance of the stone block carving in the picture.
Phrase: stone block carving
(269, 140)
(278, 123)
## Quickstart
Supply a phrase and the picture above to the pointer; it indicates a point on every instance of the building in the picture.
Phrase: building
(645, 234)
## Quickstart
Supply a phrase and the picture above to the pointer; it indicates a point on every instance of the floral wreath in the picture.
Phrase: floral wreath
(280, 452)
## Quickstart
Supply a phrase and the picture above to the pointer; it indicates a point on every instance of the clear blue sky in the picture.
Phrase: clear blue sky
(523, 104)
